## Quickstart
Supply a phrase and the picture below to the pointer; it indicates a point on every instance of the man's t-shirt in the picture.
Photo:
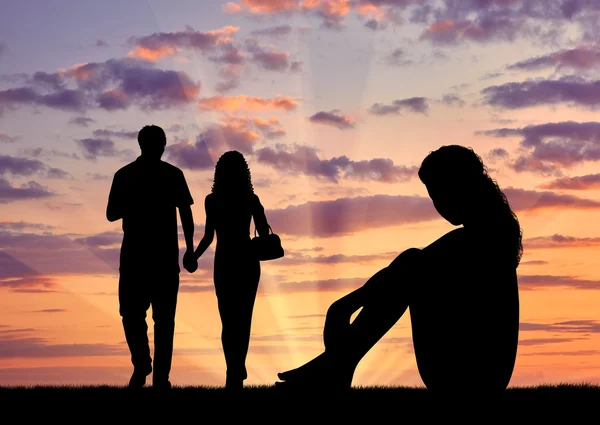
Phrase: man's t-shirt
(150, 193)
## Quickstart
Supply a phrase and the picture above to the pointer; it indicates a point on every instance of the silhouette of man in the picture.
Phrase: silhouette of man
(146, 194)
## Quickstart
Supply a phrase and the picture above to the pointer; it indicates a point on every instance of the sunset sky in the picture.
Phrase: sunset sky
(334, 104)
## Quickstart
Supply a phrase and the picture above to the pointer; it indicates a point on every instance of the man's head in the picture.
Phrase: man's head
(152, 141)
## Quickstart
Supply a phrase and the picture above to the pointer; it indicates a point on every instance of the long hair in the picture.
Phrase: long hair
(462, 165)
(232, 174)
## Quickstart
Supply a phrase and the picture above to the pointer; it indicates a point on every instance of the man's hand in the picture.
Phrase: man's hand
(190, 262)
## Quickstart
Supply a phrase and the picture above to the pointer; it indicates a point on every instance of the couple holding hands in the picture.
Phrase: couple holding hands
(461, 289)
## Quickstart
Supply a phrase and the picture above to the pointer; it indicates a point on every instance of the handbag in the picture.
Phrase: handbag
(267, 247)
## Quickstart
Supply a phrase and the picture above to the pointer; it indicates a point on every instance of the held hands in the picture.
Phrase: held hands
(190, 262)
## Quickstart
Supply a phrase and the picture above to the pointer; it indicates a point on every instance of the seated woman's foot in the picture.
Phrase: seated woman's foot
(320, 372)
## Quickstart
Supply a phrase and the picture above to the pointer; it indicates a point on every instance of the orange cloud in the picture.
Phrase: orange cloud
(151, 55)
(246, 103)
(336, 8)
(440, 26)
(270, 6)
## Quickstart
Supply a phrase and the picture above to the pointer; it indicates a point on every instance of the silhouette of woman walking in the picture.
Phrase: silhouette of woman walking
(462, 291)
(229, 210)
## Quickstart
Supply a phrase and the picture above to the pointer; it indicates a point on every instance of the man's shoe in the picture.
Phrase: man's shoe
(138, 378)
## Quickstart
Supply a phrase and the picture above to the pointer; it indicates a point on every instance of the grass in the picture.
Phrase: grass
(257, 401)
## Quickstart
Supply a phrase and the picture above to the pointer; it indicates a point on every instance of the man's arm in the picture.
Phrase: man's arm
(187, 222)
(115, 208)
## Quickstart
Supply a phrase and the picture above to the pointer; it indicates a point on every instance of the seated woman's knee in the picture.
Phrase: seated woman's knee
(407, 260)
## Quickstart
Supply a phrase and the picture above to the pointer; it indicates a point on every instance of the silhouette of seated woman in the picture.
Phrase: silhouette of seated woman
(461, 290)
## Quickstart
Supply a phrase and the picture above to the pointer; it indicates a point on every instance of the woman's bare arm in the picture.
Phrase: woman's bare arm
(209, 230)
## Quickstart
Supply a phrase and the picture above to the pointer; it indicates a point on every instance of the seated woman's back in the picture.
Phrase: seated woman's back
(465, 314)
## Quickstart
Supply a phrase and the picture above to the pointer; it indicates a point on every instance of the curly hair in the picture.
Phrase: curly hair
(463, 166)
(232, 174)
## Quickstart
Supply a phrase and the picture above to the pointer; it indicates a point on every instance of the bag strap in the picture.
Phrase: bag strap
(267, 225)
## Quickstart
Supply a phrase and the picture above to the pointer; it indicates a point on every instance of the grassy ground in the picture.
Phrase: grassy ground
(260, 402)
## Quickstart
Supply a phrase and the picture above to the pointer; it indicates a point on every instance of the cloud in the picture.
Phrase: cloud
(115, 84)
(29, 190)
(569, 90)
(94, 148)
(27, 346)
(485, 28)
(299, 159)
(231, 132)
(533, 282)
(101, 43)
(23, 225)
(332, 118)
(578, 58)
(413, 104)
(297, 259)
(48, 153)
(82, 121)
(587, 182)
(552, 147)
(155, 46)
(569, 326)
(244, 103)
(103, 133)
(306, 316)
(328, 285)
(560, 241)
(453, 99)
(51, 310)
(345, 216)
(531, 200)
(5, 138)
(545, 341)
(277, 31)
(397, 58)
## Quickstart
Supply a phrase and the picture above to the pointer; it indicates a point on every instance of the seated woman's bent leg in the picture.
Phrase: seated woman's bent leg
(384, 299)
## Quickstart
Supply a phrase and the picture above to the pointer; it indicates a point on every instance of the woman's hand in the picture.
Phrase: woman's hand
(190, 262)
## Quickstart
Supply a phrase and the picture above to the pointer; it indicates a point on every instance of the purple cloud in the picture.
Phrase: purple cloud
(82, 121)
(559, 241)
(30, 190)
(5, 138)
(278, 31)
(531, 200)
(397, 58)
(104, 133)
(304, 160)
(111, 85)
(533, 282)
(232, 132)
(332, 118)
(101, 43)
(297, 258)
(453, 99)
(28, 167)
(554, 146)
(590, 181)
(28, 346)
(93, 148)
(572, 91)
(413, 104)
(270, 59)
(578, 58)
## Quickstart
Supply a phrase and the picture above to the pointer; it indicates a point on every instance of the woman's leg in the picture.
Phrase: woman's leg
(384, 298)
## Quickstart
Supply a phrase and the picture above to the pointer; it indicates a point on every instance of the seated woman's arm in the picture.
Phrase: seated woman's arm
(260, 219)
